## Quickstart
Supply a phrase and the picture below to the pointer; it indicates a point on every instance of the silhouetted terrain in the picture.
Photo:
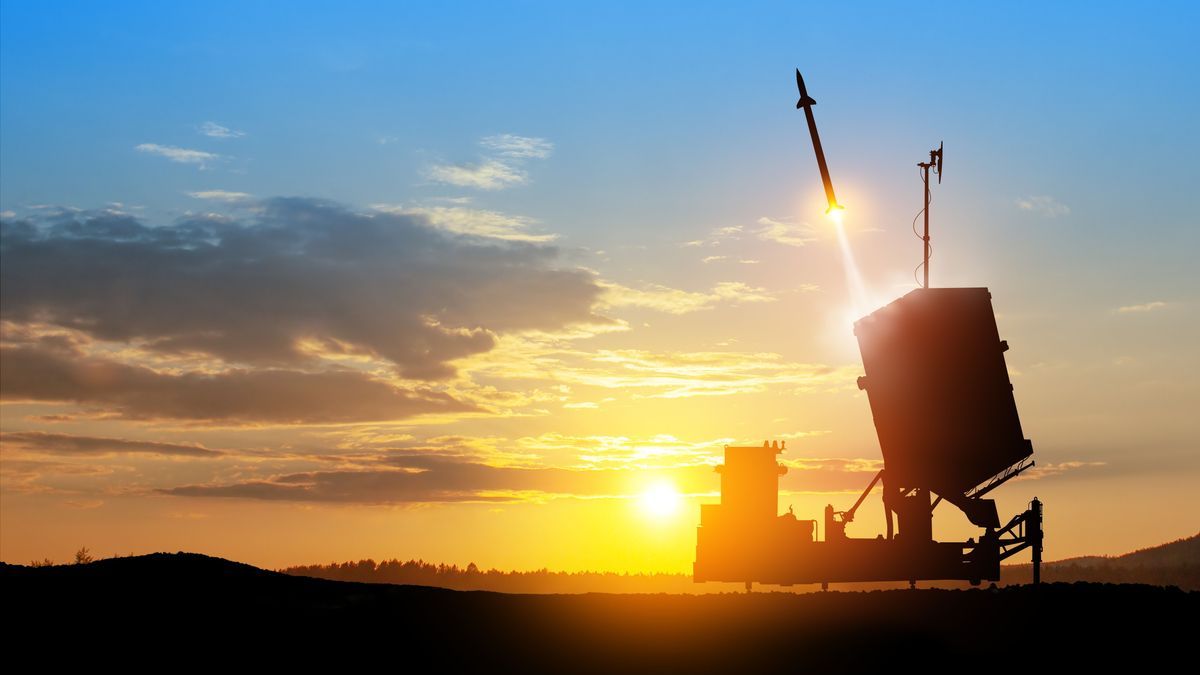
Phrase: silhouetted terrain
(1173, 564)
(1176, 563)
(188, 608)
(471, 578)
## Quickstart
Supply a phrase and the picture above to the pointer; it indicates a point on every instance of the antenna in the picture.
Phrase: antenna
(939, 163)
(935, 162)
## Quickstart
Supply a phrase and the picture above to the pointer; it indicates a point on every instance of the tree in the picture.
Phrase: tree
(83, 556)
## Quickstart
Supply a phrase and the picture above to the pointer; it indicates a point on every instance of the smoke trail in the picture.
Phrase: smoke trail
(854, 282)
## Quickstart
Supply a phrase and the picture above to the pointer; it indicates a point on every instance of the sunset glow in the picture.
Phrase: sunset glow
(498, 283)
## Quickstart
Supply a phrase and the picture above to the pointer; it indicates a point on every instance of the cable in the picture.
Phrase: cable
(918, 234)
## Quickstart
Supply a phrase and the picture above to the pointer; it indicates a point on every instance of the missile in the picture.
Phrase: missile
(806, 102)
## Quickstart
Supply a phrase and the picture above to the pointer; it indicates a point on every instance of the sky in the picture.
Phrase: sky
(496, 282)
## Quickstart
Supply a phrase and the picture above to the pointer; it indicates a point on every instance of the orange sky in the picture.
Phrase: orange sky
(344, 295)
(534, 450)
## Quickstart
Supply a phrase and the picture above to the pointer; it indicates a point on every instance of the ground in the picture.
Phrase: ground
(146, 608)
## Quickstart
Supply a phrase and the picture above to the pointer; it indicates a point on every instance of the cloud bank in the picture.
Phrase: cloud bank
(390, 286)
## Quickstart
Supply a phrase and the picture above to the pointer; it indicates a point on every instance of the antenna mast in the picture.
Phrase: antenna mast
(935, 162)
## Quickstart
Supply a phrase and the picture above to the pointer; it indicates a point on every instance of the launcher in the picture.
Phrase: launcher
(948, 430)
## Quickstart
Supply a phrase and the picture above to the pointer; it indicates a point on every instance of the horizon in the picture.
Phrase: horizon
(497, 283)
(86, 555)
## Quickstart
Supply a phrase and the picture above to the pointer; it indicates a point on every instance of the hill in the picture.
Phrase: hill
(1175, 563)
(193, 608)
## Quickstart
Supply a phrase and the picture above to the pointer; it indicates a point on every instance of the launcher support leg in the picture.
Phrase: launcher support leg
(1035, 536)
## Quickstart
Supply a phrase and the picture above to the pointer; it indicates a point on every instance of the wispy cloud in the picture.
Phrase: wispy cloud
(718, 235)
(1049, 470)
(235, 396)
(221, 196)
(502, 169)
(181, 155)
(781, 232)
(612, 467)
(490, 174)
(683, 374)
(69, 444)
(767, 229)
(214, 130)
(452, 470)
(1142, 308)
(520, 147)
(474, 222)
(720, 258)
(1044, 205)
(568, 373)
(678, 301)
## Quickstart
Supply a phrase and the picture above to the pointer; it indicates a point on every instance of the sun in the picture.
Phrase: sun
(661, 500)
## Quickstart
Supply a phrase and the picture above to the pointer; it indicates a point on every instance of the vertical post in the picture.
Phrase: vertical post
(1035, 532)
(925, 239)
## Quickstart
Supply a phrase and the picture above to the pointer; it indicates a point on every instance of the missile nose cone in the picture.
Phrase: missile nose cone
(805, 99)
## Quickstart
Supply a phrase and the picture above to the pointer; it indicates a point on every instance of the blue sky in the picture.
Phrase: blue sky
(673, 107)
(653, 154)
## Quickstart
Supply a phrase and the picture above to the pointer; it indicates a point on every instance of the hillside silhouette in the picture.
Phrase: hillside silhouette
(1175, 563)
(198, 608)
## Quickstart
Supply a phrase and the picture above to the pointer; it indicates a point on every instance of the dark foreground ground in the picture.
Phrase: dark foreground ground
(172, 610)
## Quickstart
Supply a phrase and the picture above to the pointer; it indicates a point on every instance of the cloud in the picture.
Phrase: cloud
(473, 222)
(717, 236)
(214, 130)
(501, 170)
(234, 396)
(491, 174)
(769, 229)
(661, 451)
(676, 301)
(67, 444)
(713, 258)
(1043, 205)
(297, 273)
(790, 234)
(27, 475)
(423, 477)
(222, 196)
(181, 155)
(684, 374)
(647, 374)
(1051, 470)
(413, 477)
(520, 147)
(1142, 308)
